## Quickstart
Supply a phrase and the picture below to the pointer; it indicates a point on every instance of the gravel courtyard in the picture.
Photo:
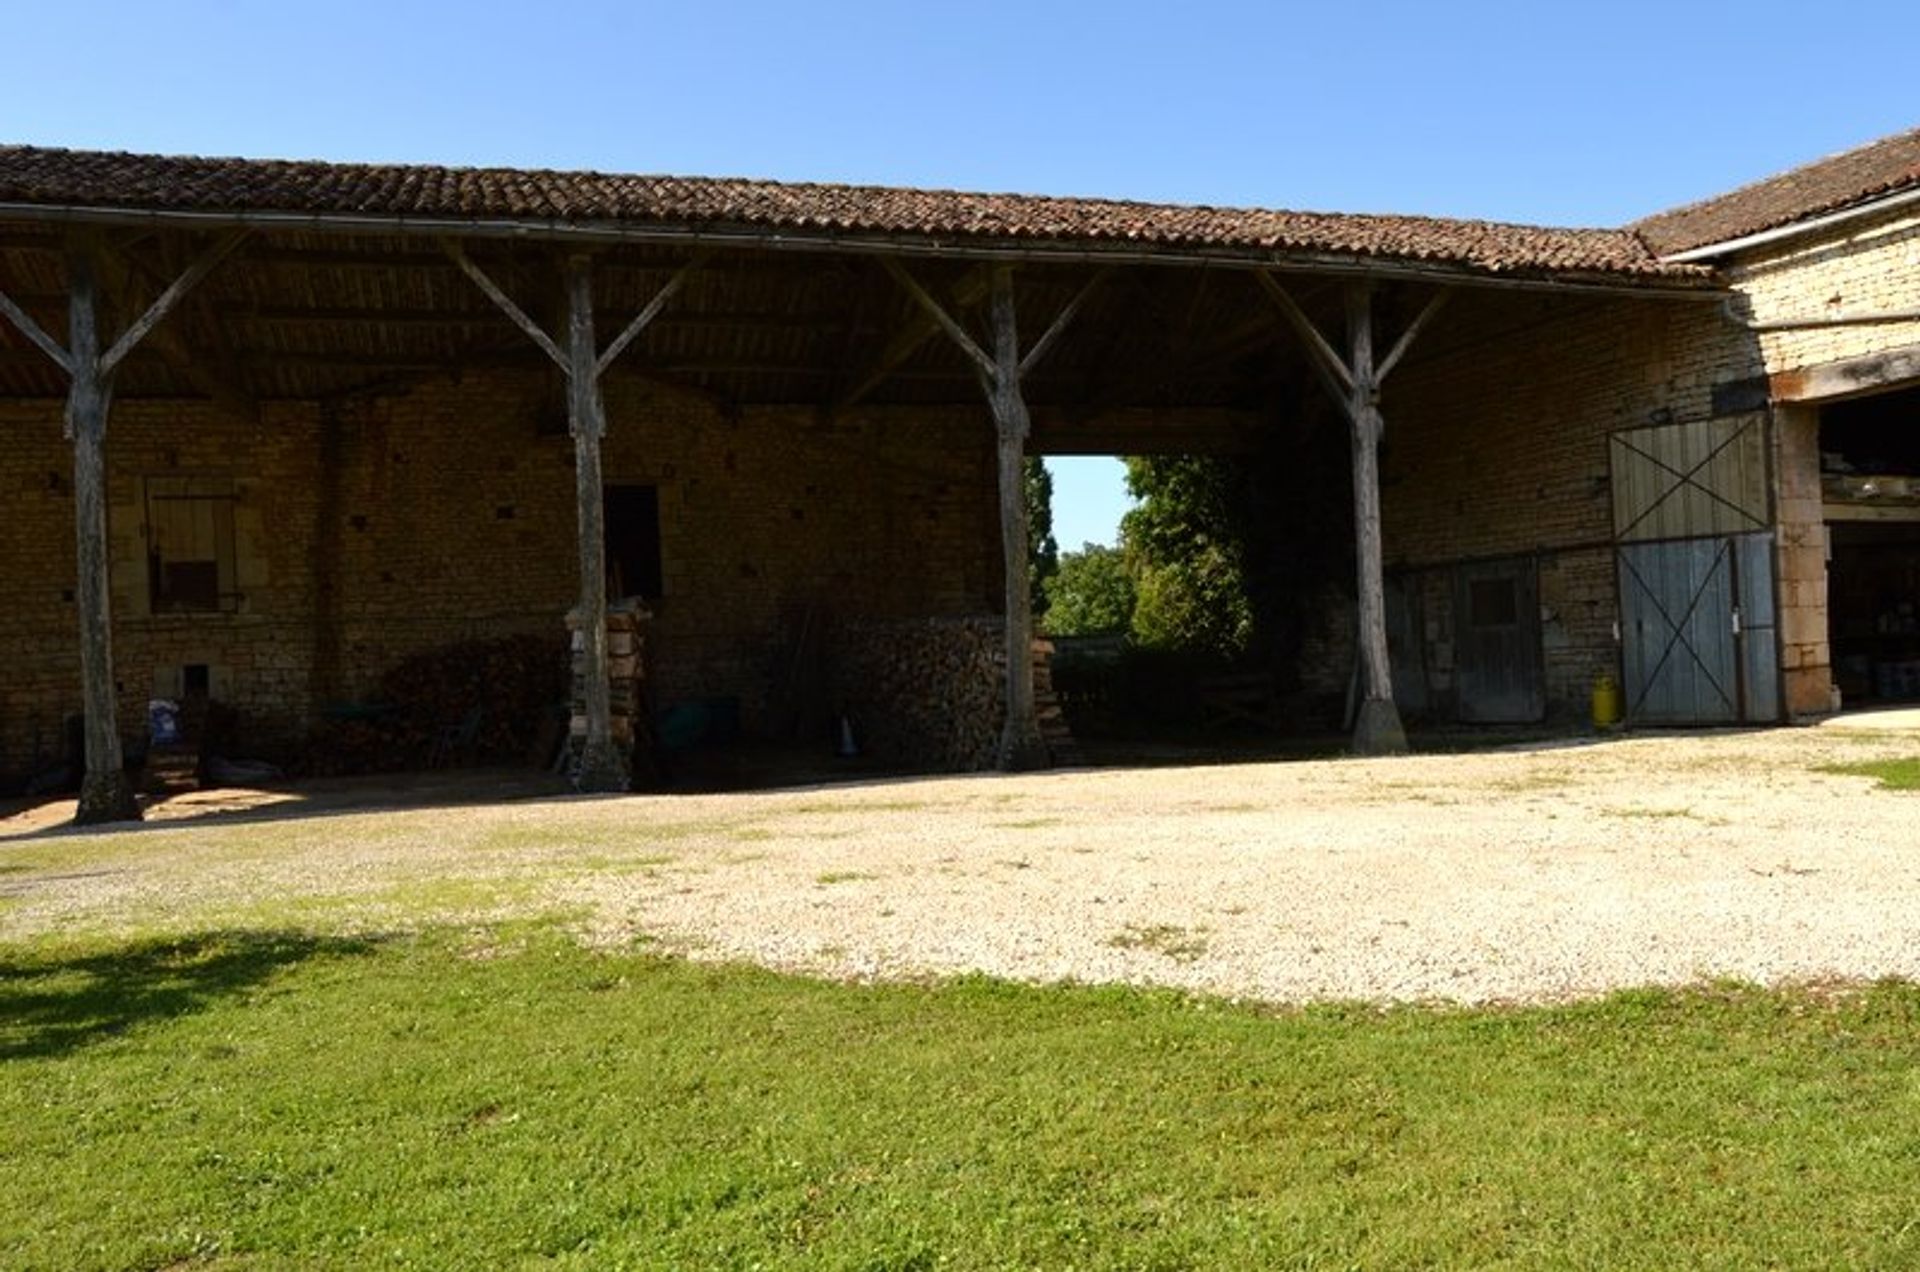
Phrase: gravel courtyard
(1511, 875)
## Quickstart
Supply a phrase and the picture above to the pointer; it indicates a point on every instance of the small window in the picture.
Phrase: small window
(190, 545)
(1493, 603)
(633, 541)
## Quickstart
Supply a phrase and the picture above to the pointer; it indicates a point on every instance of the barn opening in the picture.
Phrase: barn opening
(1870, 489)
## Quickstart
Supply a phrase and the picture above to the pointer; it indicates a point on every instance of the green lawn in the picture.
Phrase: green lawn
(1893, 775)
(459, 1100)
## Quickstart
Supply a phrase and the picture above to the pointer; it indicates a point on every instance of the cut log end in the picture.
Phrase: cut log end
(105, 798)
(1378, 730)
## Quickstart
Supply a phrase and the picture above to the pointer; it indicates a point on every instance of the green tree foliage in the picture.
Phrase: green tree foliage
(1183, 547)
(1043, 550)
(1091, 594)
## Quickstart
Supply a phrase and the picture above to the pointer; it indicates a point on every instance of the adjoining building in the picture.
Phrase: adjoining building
(322, 418)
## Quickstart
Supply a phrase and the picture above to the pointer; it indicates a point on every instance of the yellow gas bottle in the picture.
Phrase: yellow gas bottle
(1606, 703)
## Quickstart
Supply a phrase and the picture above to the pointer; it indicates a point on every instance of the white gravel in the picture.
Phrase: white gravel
(1503, 876)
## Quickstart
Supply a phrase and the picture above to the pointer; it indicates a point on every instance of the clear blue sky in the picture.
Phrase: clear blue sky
(1554, 112)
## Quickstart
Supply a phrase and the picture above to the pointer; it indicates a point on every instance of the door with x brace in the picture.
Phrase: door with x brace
(1695, 556)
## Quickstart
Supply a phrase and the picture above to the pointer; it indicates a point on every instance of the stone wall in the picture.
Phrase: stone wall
(364, 534)
(1497, 446)
(1860, 268)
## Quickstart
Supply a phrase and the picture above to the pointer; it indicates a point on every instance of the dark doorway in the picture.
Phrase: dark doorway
(1870, 485)
(633, 541)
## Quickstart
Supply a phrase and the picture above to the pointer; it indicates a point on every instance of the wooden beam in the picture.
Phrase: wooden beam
(165, 302)
(601, 766)
(648, 314)
(1377, 728)
(1325, 361)
(966, 293)
(1405, 342)
(210, 370)
(106, 795)
(505, 304)
(35, 332)
(1060, 323)
(935, 311)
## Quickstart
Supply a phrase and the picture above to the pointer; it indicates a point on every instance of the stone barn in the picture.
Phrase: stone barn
(276, 428)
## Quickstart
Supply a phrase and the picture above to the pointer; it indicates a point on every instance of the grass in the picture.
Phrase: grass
(1182, 945)
(1892, 775)
(829, 877)
(502, 1097)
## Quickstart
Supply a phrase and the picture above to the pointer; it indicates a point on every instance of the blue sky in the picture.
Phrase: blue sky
(1562, 113)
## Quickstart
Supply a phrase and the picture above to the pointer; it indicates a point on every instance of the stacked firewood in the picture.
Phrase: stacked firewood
(931, 693)
(479, 701)
(626, 673)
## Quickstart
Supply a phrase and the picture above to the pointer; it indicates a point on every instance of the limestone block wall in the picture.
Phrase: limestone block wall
(1872, 266)
(367, 532)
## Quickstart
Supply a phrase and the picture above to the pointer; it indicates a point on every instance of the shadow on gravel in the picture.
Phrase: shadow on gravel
(51, 1005)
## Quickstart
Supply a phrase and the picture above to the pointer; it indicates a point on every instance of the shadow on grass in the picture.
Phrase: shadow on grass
(52, 1004)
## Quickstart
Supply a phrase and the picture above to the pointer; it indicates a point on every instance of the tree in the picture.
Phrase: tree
(1091, 594)
(1184, 548)
(1043, 550)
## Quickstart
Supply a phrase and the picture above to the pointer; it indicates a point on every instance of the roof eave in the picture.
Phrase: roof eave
(555, 229)
(1793, 229)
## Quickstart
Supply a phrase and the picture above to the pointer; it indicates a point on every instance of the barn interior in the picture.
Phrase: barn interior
(1870, 479)
(1143, 354)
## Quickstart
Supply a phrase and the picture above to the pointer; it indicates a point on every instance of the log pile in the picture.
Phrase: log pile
(931, 693)
(511, 684)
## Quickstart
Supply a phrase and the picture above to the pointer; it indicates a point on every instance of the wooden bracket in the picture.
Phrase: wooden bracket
(1060, 322)
(938, 313)
(35, 332)
(505, 303)
(648, 314)
(1330, 365)
(1405, 341)
(969, 291)
(165, 302)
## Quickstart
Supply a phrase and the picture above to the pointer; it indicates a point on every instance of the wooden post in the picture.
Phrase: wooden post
(106, 794)
(1000, 372)
(602, 768)
(1355, 385)
(1021, 746)
(1377, 729)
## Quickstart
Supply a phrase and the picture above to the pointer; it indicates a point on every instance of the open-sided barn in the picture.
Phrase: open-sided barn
(321, 418)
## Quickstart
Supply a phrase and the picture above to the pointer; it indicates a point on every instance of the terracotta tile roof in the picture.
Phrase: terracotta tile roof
(32, 175)
(1827, 185)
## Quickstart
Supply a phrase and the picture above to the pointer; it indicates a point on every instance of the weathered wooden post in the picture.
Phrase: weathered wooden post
(1000, 373)
(1021, 746)
(1355, 384)
(1376, 729)
(105, 792)
(601, 765)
